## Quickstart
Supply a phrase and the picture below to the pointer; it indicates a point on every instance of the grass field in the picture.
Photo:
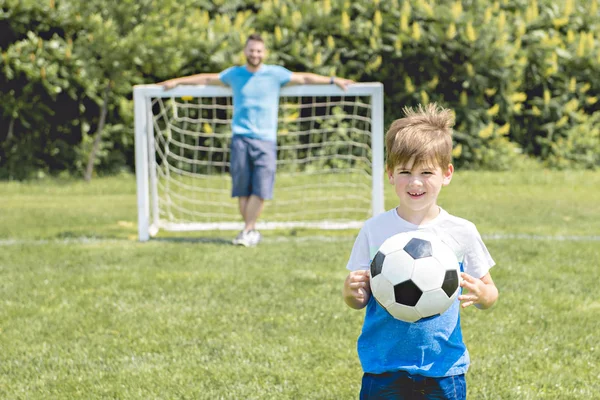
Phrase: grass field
(87, 312)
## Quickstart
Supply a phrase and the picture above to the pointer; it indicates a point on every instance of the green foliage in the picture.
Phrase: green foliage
(521, 75)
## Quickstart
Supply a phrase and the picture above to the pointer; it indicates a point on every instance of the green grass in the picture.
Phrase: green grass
(87, 312)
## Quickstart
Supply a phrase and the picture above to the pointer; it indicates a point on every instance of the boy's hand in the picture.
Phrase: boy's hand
(480, 292)
(168, 85)
(357, 288)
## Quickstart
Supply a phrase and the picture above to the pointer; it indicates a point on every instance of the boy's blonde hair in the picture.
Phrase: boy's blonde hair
(423, 135)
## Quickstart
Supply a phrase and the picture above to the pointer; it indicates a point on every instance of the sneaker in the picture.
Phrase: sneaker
(254, 237)
(241, 239)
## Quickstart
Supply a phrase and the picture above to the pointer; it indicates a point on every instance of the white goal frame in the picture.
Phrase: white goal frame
(147, 199)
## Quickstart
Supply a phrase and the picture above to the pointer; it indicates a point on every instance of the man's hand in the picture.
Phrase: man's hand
(357, 289)
(343, 83)
(168, 85)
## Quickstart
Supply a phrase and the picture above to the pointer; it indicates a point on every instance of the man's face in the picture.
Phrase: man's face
(255, 53)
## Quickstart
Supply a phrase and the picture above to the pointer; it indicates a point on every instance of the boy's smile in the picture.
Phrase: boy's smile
(417, 188)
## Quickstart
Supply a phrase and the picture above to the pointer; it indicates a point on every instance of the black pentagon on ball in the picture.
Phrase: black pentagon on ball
(407, 293)
(450, 282)
(418, 248)
(377, 264)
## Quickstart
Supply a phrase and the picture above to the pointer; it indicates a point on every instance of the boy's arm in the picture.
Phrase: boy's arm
(307, 78)
(482, 292)
(198, 79)
(357, 289)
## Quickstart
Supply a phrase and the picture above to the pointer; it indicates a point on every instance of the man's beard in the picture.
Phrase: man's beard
(253, 64)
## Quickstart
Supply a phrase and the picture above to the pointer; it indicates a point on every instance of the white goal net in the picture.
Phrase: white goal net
(329, 158)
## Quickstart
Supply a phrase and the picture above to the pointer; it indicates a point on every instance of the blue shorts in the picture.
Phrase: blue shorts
(253, 164)
(401, 385)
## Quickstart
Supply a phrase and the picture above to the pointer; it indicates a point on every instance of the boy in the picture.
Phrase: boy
(426, 359)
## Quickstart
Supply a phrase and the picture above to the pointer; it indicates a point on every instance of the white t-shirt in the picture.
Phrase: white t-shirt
(433, 346)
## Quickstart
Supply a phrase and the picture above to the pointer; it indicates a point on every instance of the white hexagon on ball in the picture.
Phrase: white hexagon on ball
(415, 275)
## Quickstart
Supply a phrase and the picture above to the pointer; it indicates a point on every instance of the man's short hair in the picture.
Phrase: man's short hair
(423, 136)
(255, 37)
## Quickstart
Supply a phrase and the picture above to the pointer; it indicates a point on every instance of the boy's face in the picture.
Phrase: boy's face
(418, 187)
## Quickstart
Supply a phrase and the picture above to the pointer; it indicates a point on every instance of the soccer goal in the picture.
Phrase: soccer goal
(330, 162)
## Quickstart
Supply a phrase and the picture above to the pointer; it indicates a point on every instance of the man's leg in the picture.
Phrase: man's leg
(241, 175)
(253, 207)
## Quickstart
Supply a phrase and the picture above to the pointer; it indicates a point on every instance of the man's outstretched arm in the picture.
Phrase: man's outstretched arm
(307, 78)
(198, 79)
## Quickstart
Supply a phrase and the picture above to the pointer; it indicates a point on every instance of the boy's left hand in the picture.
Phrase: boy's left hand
(479, 293)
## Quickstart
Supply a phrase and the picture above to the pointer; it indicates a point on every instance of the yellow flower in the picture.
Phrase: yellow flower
(398, 43)
(463, 98)
(547, 96)
(457, 151)
(518, 97)
(585, 87)
(535, 111)
(318, 60)
(416, 31)
(330, 42)
(470, 33)
(487, 131)
(424, 97)
(404, 23)
(501, 20)
(493, 110)
(470, 70)
(571, 106)
(433, 82)
(207, 128)
(568, 8)
(490, 91)
(504, 129)
(451, 31)
(591, 100)
(345, 21)
(573, 85)
(559, 22)
(562, 122)
(377, 18)
(375, 64)
(582, 45)
(409, 85)
(457, 9)
(487, 16)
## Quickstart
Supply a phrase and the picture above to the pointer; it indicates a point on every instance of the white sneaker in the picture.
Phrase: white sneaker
(241, 239)
(248, 239)
(254, 237)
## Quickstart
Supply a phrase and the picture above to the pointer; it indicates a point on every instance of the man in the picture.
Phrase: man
(256, 87)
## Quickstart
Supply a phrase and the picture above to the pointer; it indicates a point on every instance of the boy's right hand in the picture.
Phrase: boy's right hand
(358, 288)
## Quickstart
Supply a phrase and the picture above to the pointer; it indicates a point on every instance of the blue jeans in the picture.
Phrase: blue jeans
(401, 385)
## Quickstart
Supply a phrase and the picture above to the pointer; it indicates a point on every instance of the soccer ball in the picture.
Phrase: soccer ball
(415, 275)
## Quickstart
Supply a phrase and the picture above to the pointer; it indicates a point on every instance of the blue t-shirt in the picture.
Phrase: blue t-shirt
(432, 346)
(255, 99)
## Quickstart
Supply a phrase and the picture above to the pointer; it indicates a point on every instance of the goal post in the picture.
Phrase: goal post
(330, 158)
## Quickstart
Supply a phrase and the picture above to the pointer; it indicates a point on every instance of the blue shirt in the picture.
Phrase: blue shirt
(432, 346)
(255, 99)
